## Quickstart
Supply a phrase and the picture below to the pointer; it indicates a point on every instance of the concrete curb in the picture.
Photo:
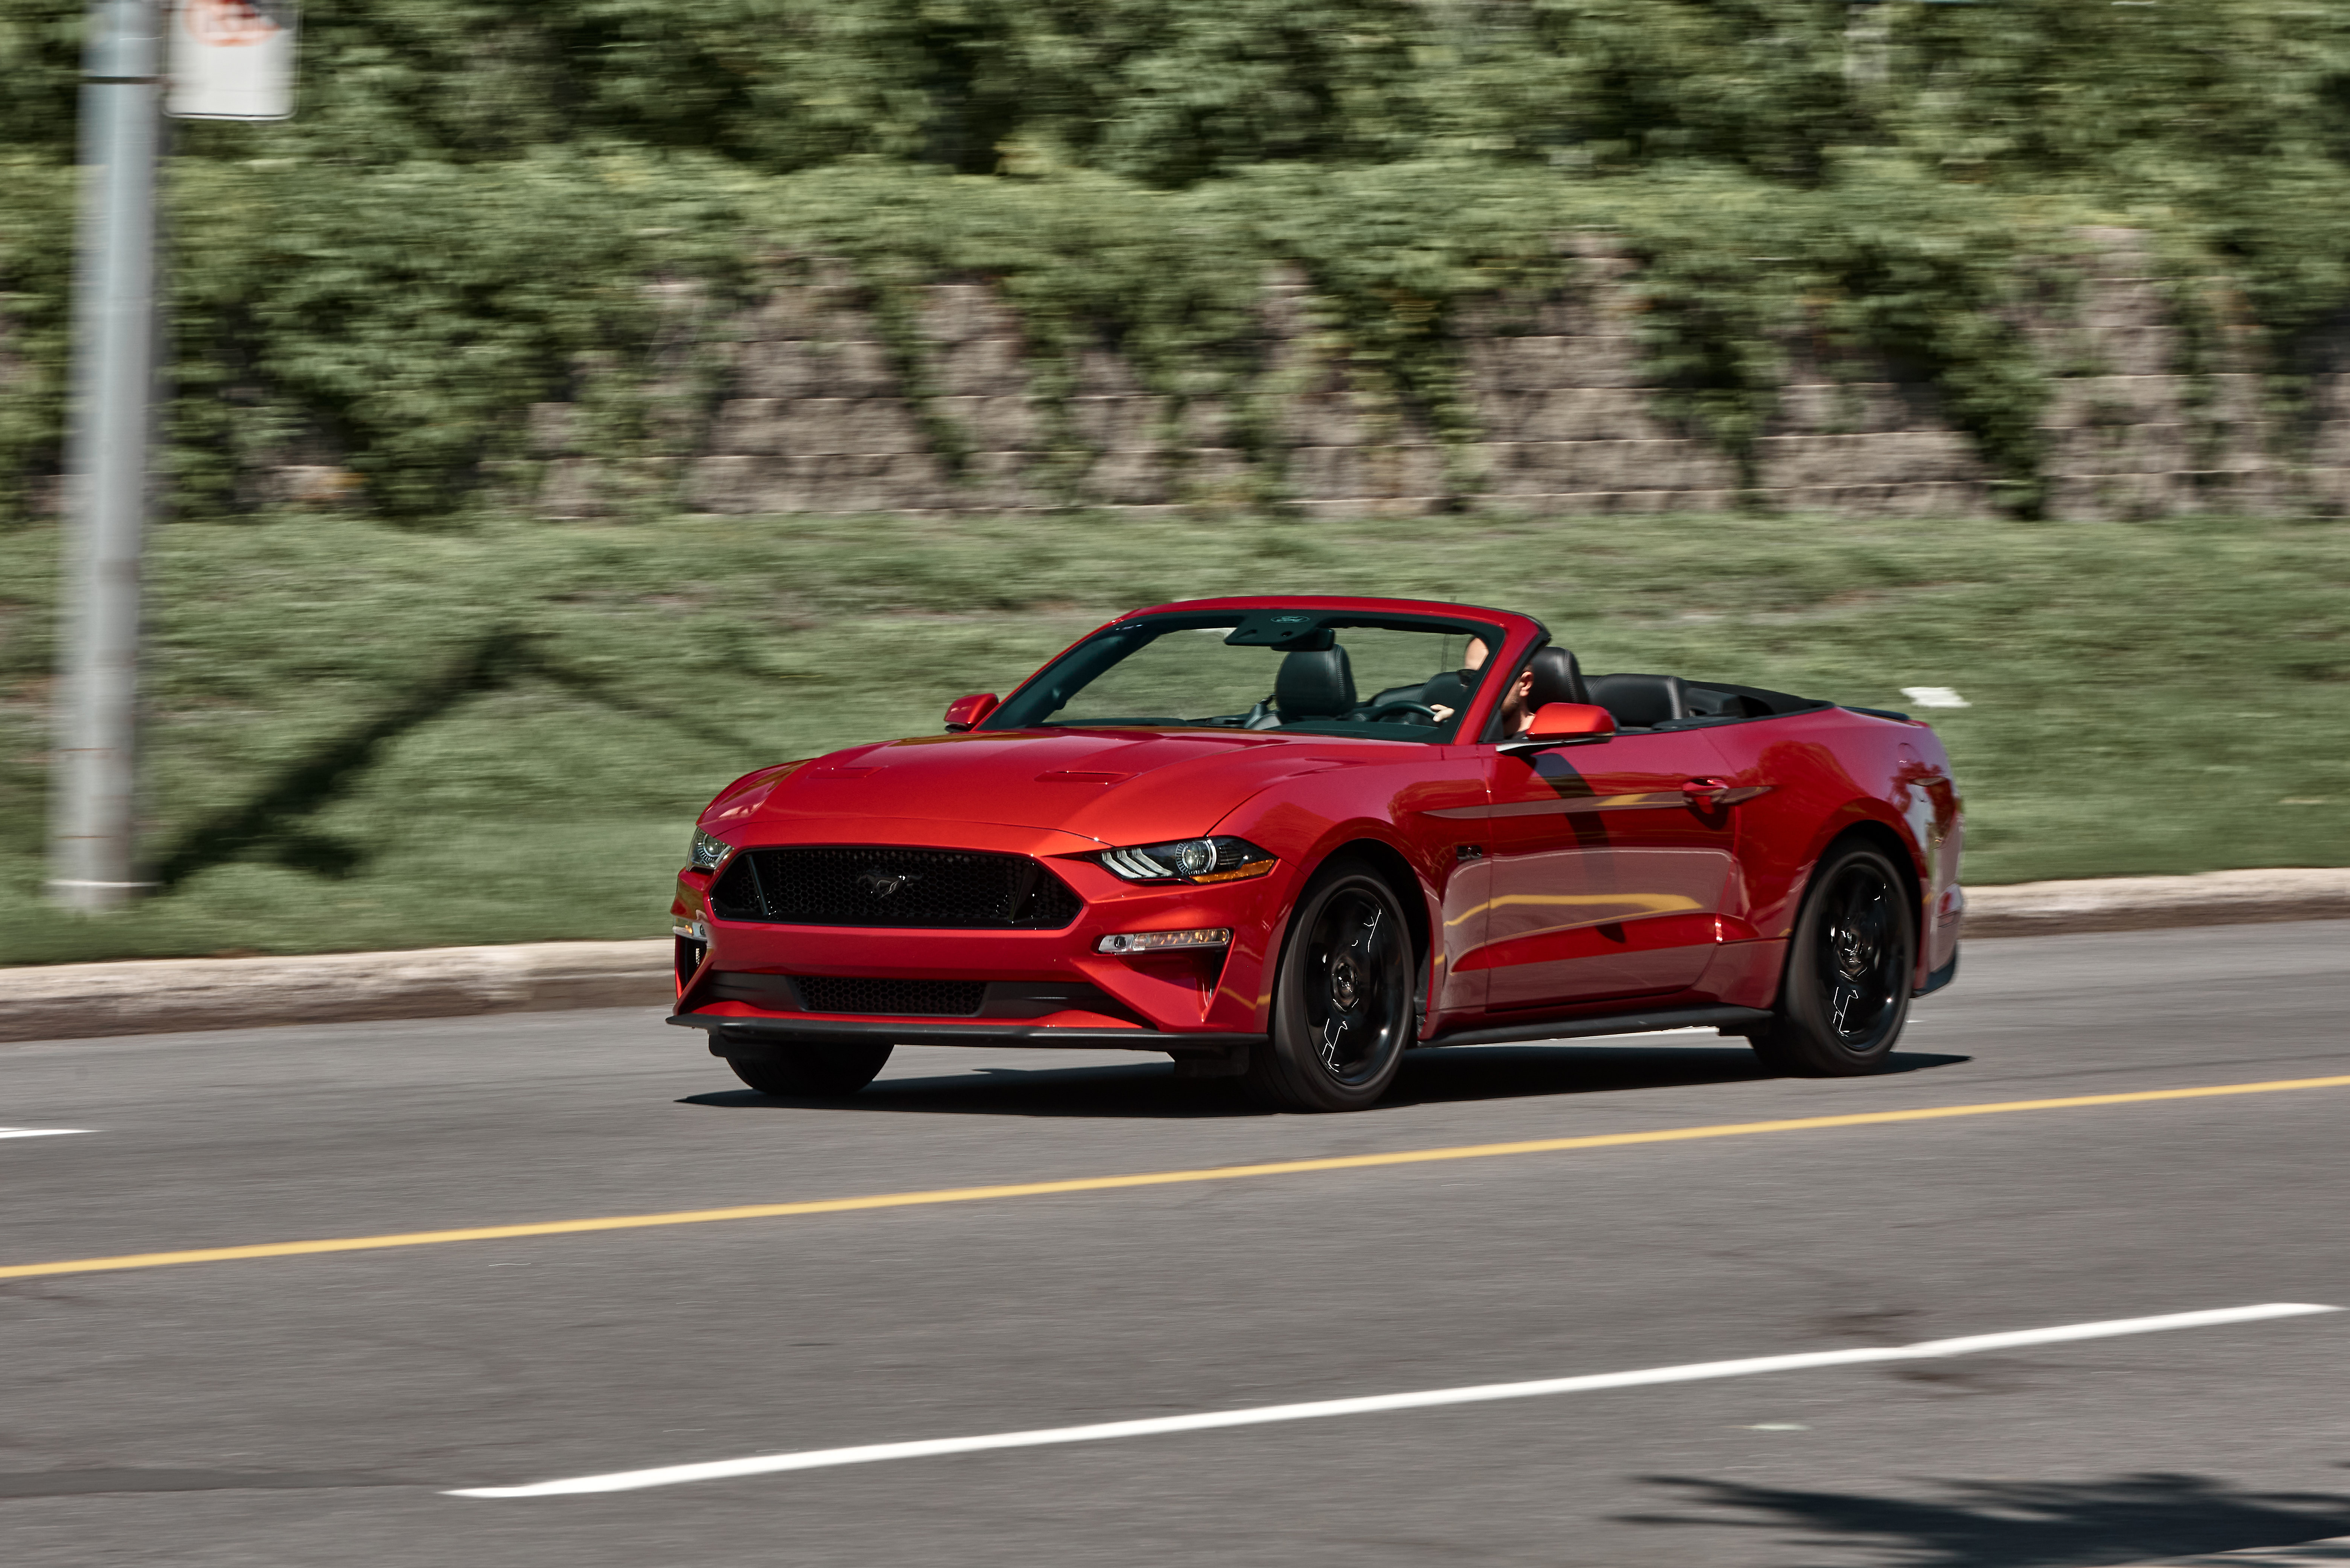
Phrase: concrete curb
(68, 1002)
(2145, 903)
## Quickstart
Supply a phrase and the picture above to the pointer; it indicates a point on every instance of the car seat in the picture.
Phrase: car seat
(1640, 702)
(1558, 679)
(1451, 690)
(1314, 683)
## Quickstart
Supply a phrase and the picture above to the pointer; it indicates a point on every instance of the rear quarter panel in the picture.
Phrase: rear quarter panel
(1828, 771)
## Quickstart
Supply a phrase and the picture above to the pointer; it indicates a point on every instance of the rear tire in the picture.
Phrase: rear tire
(811, 1070)
(1342, 1001)
(1846, 993)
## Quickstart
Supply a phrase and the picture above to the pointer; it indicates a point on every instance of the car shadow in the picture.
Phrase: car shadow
(1518, 1072)
(2121, 1518)
(1149, 1089)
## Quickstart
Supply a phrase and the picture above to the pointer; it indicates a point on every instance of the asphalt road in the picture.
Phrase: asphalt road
(317, 1410)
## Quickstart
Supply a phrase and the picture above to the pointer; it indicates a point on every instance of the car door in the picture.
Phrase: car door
(1610, 862)
(1441, 809)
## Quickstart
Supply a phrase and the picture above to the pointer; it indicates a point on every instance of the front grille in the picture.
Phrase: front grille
(836, 885)
(897, 998)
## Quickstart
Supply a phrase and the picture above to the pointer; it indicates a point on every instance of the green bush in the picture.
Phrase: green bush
(464, 215)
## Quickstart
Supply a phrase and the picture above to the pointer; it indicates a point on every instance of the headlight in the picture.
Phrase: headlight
(1188, 861)
(708, 850)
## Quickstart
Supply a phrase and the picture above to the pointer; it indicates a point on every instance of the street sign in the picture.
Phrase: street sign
(232, 59)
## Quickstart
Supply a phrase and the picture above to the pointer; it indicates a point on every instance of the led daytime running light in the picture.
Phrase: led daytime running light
(1135, 864)
(1163, 941)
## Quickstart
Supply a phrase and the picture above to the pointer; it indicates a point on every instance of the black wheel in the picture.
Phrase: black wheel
(1846, 993)
(809, 1070)
(1342, 1001)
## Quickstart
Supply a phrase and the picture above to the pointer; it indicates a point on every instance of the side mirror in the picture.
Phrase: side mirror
(1570, 722)
(965, 713)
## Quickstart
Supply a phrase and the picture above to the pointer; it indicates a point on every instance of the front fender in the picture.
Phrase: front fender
(1303, 834)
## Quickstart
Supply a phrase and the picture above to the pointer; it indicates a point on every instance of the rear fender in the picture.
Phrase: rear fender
(1874, 822)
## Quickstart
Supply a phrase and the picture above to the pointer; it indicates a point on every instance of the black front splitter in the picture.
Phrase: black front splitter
(731, 1036)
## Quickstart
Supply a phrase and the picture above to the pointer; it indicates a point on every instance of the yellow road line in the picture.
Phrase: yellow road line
(1150, 1178)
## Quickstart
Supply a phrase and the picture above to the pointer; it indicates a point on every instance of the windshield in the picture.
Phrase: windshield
(1398, 678)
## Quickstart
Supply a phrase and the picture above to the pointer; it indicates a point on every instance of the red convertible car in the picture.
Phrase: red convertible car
(1289, 839)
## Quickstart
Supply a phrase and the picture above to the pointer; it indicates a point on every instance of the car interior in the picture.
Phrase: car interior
(1318, 685)
(1314, 684)
(1654, 702)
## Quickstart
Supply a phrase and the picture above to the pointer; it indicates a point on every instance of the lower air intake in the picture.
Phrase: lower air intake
(891, 998)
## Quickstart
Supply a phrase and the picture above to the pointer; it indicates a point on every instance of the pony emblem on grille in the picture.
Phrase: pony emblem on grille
(882, 884)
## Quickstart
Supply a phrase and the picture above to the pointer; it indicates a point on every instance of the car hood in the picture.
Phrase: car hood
(1117, 786)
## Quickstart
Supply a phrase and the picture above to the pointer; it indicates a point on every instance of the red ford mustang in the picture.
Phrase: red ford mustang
(1288, 839)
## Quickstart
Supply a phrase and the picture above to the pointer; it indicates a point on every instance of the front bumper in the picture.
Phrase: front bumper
(730, 973)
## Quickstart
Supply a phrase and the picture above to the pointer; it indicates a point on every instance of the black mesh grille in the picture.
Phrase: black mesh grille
(899, 998)
(834, 885)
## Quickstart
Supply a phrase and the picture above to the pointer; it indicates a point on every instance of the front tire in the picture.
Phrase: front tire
(811, 1070)
(1342, 1004)
(1846, 993)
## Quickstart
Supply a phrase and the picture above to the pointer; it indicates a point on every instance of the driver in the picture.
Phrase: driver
(1516, 712)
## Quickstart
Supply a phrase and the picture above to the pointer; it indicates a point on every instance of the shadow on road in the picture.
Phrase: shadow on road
(2129, 1519)
(1149, 1088)
(1515, 1071)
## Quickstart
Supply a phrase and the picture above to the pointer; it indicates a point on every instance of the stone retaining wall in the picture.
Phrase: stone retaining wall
(815, 419)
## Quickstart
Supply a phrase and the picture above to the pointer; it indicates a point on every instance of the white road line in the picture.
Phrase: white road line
(873, 1453)
(40, 1132)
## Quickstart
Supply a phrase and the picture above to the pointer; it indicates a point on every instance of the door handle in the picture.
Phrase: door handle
(1712, 792)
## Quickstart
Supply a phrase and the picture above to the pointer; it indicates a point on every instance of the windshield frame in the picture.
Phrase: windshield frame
(1083, 660)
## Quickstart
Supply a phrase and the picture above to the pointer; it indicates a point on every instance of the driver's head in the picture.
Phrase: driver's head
(1515, 714)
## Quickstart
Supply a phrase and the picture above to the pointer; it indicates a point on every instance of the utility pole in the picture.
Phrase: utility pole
(231, 59)
(93, 866)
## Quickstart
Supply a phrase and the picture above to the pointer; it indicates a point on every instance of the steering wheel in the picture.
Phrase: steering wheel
(1378, 714)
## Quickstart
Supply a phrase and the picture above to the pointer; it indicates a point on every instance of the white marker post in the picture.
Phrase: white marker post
(231, 59)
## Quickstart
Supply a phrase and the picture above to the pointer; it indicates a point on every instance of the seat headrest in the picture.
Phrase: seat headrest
(1639, 700)
(1318, 683)
(1558, 679)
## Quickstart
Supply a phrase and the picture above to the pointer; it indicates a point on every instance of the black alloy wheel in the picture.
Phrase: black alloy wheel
(806, 1070)
(1846, 993)
(1343, 1007)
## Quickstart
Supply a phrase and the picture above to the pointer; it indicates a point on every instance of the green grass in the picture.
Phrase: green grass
(364, 737)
